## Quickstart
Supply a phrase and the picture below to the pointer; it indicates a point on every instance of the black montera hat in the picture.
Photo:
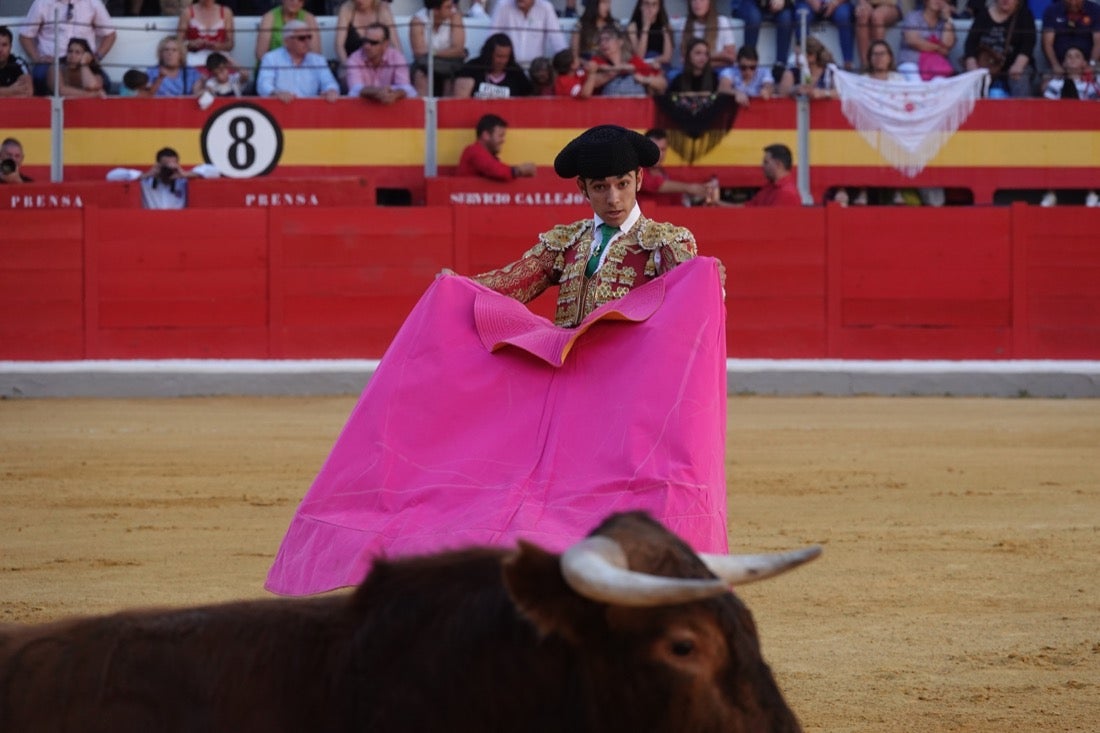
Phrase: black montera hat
(606, 150)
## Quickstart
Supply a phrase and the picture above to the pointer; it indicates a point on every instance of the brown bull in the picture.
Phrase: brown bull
(627, 631)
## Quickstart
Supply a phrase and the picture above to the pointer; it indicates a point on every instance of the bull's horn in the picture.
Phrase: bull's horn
(742, 569)
(596, 568)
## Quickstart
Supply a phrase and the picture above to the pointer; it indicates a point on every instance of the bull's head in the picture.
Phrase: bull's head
(663, 643)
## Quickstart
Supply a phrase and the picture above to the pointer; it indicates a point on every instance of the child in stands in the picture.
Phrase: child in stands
(223, 80)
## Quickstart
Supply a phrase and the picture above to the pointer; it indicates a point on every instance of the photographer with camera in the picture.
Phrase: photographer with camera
(11, 160)
(164, 186)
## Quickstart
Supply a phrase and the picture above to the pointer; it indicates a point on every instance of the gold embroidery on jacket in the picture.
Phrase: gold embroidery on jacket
(562, 254)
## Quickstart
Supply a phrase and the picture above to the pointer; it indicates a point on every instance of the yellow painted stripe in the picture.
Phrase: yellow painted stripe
(397, 147)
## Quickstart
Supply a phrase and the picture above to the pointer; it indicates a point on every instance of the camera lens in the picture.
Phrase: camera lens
(7, 166)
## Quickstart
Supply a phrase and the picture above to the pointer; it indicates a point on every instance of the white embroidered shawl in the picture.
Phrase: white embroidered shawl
(908, 122)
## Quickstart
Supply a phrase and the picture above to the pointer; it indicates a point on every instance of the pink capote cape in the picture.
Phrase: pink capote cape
(485, 423)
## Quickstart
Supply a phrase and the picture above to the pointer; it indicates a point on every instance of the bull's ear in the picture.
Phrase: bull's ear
(535, 583)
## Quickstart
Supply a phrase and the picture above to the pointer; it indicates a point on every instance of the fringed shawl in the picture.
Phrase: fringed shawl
(908, 122)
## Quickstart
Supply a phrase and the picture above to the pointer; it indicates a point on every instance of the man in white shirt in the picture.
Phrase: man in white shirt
(533, 27)
(164, 186)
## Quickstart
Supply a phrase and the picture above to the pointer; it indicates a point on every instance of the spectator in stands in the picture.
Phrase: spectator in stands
(779, 12)
(15, 75)
(810, 75)
(586, 33)
(448, 45)
(697, 75)
(748, 79)
(80, 73)
(135, 83)
(273, 27)
(930, 31)
(650, 33)
(617, 72)
(1002, 39)
(1077, 80)
(880, 62)
(658, 187)
(873, 17)
(353, 17)
(494, 74)
(703, 21)
(569, 74)
(839, 13)
(1071, 23)
(293, 71)
(377, 71)
(967, 9)
(87, 19)
(223, 78)
(11, 162)
(781, 188)
(171, 77)
(482, 158)
(205, 27)
(164, 186)
(532, 26)
(541, 75)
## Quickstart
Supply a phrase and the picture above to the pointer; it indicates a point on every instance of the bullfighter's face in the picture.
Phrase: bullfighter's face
(612, 198)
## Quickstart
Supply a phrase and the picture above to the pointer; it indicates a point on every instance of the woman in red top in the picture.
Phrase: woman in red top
(205, 27)
(616, 71)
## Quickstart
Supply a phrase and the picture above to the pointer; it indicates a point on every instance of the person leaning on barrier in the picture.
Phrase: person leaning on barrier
(11, 162)
(172, 77)
(747, 79)
(602, 258)
(658, 187)
(80, 74)
(781, 189)
(1076, 81)
(616, 71)
(378, 72)
(292, 71)
(15, 75)
(494, 73)
(482, 157)
(86, 19)
(223, 78)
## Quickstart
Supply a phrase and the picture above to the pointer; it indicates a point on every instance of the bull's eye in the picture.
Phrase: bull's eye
(683, 648)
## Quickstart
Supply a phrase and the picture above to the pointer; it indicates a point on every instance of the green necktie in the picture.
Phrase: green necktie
(607, 231)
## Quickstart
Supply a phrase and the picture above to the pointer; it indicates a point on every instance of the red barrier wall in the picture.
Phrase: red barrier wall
(288, 282)
(1003, 144)
(228, 193)
(71, 195)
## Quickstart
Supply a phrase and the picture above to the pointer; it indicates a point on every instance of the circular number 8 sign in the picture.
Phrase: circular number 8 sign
(242, 141)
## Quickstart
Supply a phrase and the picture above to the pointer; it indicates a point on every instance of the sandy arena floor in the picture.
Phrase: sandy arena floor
(958, 590)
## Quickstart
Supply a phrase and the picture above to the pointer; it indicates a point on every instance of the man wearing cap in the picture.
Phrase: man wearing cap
(598, 260)
(292, 71)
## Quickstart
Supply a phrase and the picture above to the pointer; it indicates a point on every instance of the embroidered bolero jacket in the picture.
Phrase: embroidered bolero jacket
(649, 249)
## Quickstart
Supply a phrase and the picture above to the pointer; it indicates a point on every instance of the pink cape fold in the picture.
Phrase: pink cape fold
(485, 423)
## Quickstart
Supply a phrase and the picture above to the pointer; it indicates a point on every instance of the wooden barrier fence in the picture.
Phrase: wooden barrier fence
(96, 282)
